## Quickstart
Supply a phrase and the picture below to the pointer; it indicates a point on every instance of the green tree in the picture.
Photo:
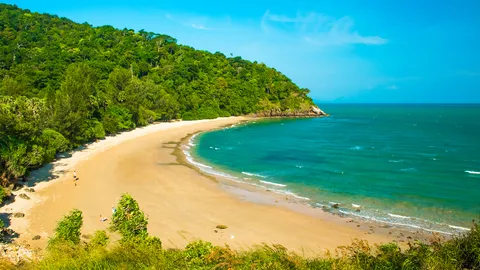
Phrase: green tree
(129, 220)
(72, 106)
(68, 229)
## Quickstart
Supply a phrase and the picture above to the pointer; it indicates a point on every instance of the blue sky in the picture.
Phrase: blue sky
(350, 51)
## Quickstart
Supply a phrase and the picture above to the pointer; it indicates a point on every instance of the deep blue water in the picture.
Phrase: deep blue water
(416, 165)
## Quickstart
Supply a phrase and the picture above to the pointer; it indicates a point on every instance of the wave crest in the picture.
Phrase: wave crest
(254, 174)
(273, 183)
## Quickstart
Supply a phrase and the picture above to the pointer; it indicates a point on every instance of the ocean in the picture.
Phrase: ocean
(414, 166)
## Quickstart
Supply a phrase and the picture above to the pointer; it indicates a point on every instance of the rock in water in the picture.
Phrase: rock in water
(318, 111)
(24, 196)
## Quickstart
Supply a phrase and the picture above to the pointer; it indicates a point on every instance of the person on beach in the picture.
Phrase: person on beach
(75, 177)
(113, 210)
(103, 219)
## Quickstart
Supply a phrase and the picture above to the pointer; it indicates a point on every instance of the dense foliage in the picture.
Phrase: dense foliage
(128, 219)
(135, 253)
(68, 229)
(63, 84)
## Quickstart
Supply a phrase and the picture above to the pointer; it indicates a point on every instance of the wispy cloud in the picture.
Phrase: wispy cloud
(319, 29)
(200, 27)
(196, 22)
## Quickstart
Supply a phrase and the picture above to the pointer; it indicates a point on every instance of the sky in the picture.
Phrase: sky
(343, 51)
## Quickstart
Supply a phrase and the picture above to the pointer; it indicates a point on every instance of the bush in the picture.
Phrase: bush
(93, 129)
(54, 142)
(196, 252)
(129, 220)
(68, 229)
(3, 195)
(100, 239)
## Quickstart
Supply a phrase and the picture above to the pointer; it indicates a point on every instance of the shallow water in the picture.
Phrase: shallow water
(411, 165)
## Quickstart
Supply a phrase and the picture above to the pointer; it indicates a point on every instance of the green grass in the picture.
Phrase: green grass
(459, 253)
(138, 250)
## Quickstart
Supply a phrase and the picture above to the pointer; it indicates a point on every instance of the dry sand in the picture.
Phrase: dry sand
(182, 204)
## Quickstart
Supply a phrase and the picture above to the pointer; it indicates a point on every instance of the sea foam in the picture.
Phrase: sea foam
(394, 223)
(273, 183)
(254, 174)
(396, 160)
(289, 193)
(408, 169)
(472, 172)
(193, 162)
(459, 228)
(398, 216)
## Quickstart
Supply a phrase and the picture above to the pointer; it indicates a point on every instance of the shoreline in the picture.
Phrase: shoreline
(148, 169)
(254, 193)
(356, 212)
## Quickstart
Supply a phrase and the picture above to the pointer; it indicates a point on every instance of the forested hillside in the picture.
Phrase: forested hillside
(65, 83)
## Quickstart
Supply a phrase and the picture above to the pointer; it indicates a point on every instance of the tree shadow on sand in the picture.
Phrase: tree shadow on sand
(52, 170)
(7, 235)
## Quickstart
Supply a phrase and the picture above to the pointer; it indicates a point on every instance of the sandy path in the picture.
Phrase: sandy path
(182, 205)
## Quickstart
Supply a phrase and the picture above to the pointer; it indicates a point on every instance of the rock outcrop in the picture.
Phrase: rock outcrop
(18, 215)
(314, 111)
(24, 196)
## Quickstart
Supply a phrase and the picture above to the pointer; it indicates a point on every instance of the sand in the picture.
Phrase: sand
(182, 205)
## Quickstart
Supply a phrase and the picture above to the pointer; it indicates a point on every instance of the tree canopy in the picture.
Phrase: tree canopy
(63, 84)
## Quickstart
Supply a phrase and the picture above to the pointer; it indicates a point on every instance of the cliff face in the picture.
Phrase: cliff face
(314, 111)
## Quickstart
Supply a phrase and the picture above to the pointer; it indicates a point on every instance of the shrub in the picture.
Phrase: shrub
(196, 252)
(68, 229)
(3, 195)
(100, 239)
(54, 142)
(129, 220)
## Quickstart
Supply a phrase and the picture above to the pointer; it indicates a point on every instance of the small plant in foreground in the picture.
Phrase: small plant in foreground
(129, 220)
(100, 239)
(68, 229)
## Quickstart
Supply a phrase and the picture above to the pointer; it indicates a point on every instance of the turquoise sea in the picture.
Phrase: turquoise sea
(416, 166)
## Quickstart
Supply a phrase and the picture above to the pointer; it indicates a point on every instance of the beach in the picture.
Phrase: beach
(182, 204)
